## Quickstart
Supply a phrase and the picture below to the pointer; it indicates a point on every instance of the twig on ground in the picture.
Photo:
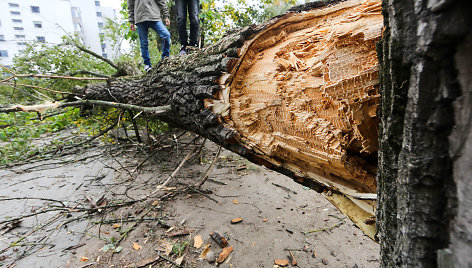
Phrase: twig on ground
(167, 259)
(324, 229)
(204, 177)
(172, 175)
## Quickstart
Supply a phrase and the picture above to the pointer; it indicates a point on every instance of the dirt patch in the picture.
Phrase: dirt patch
(279, 218)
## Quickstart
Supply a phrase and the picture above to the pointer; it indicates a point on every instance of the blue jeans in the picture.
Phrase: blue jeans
(193, 7)
(161, 30)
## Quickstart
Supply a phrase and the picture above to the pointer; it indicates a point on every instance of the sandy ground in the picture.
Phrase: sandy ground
(278, 215)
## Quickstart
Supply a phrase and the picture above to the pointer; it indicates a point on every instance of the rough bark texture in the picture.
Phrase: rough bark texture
(424, 212)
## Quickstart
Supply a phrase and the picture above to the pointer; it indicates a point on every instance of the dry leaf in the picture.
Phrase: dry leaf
(265, 220)
(179, 260)
(206, 249)
(224, 254)
(235, 201)
(116, 226)
(147, 262)
(136, 246)
(166, 246)
(197, 241)
(84, 258)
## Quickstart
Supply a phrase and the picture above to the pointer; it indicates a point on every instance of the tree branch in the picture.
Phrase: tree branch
(88, 51)
(41, 108)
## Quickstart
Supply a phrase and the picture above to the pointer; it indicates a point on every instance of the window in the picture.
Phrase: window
(17, 20)
(21, 43)
(99, 14)
(15, 12)
(105, 55)
(13, 5)
(2, 37)
(3, 53)
(18, 28)
(75, 12)
(100, 25)
(41, 38)
(20, 36)
(37, 24)
(104, 45)
(97, 3)
(35, 9)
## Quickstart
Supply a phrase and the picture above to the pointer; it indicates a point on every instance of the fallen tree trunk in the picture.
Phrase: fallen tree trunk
(298, 94)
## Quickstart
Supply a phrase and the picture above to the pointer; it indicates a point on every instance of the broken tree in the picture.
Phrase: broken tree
(298, 94)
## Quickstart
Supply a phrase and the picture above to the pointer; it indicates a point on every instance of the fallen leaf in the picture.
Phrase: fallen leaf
(205, 250)
(107, 247)
(136, 246)
(146, 262)
(265, 220)
(235, 201)
(197, 241)
(166, 246)
(116, 226)
(237, 220)
(281, 262)
(118, 249)
(84, 258)
(224, 254)
(179, 260)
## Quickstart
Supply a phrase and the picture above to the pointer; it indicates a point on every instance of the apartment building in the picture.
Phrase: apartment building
(23, 21)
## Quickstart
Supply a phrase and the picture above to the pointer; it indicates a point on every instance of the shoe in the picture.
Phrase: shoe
(147, 68)
(183, 50)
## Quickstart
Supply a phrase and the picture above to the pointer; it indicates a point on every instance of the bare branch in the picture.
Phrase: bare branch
(41, 108)
(88, 51)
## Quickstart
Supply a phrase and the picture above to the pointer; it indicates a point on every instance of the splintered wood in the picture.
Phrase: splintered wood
(305, 94)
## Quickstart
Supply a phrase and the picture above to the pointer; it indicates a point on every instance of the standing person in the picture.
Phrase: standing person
(193, 8)
(147, 14)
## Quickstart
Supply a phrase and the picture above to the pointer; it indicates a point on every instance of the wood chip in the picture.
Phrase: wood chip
(136, 246)
(224, 254)
(197, 241)
(219, 239)
(293, 260)
(237, 220)
(281, 262)
(178, 233)
(116, 226)
(235, 201)
(84, 258)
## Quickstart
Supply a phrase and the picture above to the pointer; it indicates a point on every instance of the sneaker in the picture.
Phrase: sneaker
(183, 50)
(147, 68)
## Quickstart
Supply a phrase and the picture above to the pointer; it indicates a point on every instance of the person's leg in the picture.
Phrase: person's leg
(193, 10)
(162, 31)
(181, 9)
(143, 40)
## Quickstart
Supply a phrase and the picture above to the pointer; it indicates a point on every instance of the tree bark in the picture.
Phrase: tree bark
(424, 206)
(298, 94)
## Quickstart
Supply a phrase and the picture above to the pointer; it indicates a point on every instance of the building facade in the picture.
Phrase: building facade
(23, 21)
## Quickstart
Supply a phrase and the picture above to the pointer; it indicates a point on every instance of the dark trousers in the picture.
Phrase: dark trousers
(193, 7)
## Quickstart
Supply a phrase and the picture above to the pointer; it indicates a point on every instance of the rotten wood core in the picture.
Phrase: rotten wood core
(305, 93)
